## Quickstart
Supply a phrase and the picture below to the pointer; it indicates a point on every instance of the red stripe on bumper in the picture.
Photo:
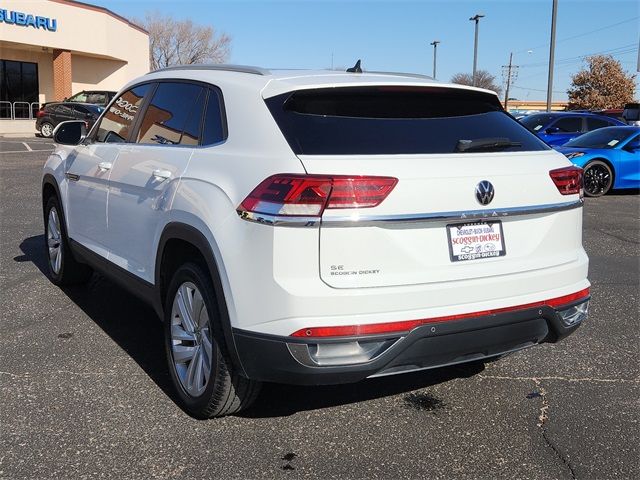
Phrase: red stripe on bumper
(405, 326)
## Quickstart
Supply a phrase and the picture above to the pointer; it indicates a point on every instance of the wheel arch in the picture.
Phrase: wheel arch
(50, 187)
(188, 239)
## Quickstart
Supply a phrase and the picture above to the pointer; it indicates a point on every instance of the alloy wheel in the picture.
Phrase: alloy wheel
(46, 130)
(191, 339)
(597, 180)
(54, 241)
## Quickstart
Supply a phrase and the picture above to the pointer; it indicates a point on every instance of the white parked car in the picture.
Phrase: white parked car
(318, 227)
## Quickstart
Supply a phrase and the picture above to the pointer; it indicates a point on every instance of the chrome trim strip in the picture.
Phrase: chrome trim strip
(277, 220)
(382, 220)
(454, 216)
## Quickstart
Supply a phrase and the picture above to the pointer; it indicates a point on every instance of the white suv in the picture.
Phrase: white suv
(318, 227)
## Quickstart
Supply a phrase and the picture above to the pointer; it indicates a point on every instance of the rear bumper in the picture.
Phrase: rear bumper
(290, 360)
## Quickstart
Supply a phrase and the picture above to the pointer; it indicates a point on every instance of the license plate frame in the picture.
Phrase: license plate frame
(479, 249)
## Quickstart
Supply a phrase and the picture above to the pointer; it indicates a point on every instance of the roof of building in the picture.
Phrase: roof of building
(96, 8)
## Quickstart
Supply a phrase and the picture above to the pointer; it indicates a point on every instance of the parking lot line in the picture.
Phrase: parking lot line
(27, 146)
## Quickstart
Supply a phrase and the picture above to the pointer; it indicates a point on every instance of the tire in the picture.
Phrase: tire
(63, 267)
(46, 130)
(598, 178)
(194, 344)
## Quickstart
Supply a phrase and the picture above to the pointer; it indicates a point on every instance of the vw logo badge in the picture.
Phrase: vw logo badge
(484, 192)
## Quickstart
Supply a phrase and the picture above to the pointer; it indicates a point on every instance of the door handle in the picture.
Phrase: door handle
(162, 174)
(104, 166)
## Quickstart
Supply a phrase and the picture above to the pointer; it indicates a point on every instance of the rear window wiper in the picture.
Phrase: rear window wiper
(485, 144)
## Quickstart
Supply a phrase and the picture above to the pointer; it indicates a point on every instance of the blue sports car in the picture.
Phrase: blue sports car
(610, 157)
(557, 128)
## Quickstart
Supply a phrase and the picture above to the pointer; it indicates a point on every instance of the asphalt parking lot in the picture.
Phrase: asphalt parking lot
(85, 392)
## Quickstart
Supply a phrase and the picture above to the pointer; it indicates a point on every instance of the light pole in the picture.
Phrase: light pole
(435, 52)
(552, 48)
(476, 18)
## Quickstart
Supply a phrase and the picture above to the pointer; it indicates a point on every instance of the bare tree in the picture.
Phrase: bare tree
(602, 84)
(181, 42)
(484, 80)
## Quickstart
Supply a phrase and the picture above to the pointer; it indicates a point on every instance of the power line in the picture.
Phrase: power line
(584, 34)
(536, 89)
(615, 51)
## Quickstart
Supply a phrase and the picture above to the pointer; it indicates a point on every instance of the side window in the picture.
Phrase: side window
(118, 120)
(168, 119)
(81, 110)
(595, 123)
(569, 124)
(214, 131)
(64, 110)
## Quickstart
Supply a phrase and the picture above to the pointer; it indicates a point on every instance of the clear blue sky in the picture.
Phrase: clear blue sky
(395, 35)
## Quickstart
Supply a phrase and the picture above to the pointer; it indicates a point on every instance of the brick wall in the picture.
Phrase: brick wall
(61, 74)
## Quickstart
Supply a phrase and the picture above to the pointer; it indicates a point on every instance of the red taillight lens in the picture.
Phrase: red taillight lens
(40, 113)
(568, 180)
(309, 195)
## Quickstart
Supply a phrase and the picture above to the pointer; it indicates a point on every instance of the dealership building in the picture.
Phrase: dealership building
(52, 49)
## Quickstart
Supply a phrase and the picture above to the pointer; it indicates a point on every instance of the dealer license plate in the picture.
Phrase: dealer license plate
(472, 241)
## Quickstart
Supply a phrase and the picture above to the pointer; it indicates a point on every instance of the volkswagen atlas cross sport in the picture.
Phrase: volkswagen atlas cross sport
(312, 227)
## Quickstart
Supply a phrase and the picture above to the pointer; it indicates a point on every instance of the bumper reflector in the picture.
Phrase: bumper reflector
(574, 315)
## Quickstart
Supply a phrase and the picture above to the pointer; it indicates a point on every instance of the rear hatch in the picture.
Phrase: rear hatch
(463, 166)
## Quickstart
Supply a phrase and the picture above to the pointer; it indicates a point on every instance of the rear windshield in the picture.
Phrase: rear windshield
(397, 120)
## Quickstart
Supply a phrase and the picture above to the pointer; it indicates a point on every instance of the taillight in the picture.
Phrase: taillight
(568, 180)
(308, 195)
(40, 113)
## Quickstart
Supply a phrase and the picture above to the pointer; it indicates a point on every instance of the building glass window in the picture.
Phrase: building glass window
(18, 83)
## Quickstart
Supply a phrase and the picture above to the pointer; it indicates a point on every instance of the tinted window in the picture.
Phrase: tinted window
(537, 121)
(595, 123)
(631, 112)
(214, 131)
(601, 138)
(191, 132)
(63, 110)
(116, 123)
(80, 109)
(395, 120)
(568, 124)
(166, 116)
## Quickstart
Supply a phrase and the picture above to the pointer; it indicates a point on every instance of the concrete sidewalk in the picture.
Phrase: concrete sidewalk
(17, 128)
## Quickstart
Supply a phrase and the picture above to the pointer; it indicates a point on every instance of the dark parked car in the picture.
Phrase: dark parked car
(52, 114)
(631, 113)
(557, 128)
(94, 97)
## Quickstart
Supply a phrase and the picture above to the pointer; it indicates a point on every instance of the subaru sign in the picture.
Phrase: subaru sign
(28, 20)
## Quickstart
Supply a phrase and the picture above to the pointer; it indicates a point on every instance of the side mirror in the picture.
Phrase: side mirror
(552, 130)
(72, 132)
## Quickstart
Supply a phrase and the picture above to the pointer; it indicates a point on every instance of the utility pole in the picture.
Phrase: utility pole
(552, 49)
(511, 75)
(435, 52)
(476, 18)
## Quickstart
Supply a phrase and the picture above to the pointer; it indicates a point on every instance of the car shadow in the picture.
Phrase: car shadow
(135, 328)
(626, 191)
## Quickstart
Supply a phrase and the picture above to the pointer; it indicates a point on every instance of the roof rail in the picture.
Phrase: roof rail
(400, 74)
(220, 67)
